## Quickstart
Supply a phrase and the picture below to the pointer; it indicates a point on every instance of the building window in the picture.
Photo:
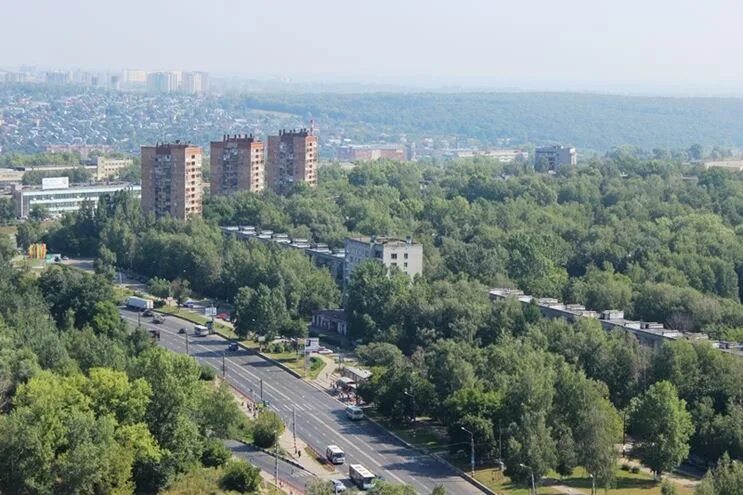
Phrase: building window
(394, 263)
(394, 256)
(405, 264)
(406, 256)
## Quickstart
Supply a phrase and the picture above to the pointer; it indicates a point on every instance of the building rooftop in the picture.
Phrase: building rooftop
(383, 241)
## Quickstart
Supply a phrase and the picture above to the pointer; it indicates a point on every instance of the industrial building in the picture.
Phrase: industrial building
(292, 158)
(237, 164)
(57, 197)
(171, 180)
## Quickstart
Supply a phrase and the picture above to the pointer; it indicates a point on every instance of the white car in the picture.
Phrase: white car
(338, 486)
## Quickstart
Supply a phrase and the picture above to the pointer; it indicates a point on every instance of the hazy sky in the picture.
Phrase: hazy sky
(558, 44)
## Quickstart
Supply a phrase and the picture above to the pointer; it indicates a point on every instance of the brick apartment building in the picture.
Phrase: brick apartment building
(292, 158)
(237, 164)
(171, 180)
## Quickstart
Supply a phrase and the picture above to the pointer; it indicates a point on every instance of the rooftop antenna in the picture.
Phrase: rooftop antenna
(312, 127)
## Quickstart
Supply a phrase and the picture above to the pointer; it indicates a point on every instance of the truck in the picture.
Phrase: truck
(200, 330)
(139, 303)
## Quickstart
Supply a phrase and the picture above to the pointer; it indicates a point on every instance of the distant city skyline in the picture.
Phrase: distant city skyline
(664, 46)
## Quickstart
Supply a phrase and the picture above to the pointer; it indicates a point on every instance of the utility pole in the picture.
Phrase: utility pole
(472, 450)
(224, 367)
(533, 490)
(261, 390)
(276, 460)
(185, 335)
(294, 426)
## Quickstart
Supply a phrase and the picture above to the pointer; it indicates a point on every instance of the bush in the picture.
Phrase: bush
(215, 454)
(625, 467)
(207, 373)
(241, 477)
(635, 470)
(267, 428)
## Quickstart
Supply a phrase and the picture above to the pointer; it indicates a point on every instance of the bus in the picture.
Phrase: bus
(335, 455)
(360, 476)
(200, 330)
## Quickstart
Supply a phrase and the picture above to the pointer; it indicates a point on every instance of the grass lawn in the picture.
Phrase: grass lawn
(296, 363)
(627, 483)
(420, 436)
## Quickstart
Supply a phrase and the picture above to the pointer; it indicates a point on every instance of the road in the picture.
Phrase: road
(267, 463)
(321, 419)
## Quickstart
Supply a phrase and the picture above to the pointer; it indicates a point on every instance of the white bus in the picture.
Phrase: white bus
(361, 477)
(335, 455)
(200, 330)
(354, 413)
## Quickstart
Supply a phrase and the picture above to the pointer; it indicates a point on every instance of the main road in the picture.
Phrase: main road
(321, 419)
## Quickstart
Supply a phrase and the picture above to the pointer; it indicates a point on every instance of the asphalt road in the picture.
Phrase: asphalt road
(321, 419)
(288, 473)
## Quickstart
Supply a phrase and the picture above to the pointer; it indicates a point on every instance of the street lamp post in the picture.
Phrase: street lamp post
(185, 335)
(294, 426)
(261, 390)
(224, 366)
(531, 472)
(472, 450)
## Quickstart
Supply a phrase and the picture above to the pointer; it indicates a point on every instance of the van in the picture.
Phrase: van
(335, 455)
(354, 413)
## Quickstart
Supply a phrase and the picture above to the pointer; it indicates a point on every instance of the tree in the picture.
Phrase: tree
(531, 445)
(662, 427)
(261, 310)
(241, 477)
(318, 486)
(267, 428)
(181, 290)
(439, 490)
(29, 232)
(159, 287)
(215, 454)
(105, 263)
(725, 479)
(668, 488)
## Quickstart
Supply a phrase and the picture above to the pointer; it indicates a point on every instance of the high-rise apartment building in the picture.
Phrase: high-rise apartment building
(237, 164)
(163, 82)
(194, 82)
(171, 180)
(292, 158)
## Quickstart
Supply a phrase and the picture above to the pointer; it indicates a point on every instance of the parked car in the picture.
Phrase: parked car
(223, 316)
(233, 346)
(338, 486)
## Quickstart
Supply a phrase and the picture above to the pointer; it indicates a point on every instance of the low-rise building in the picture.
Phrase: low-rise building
(405, 255)
(554, 157)
(57, 197)
(107, 168)
(330, 320)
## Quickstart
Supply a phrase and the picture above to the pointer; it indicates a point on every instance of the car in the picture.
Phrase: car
(147, 312)
(182, 330)
(233, 346)
(190, 304)
(158, 319)
(65, 258)
(223, 316)
(338, 486)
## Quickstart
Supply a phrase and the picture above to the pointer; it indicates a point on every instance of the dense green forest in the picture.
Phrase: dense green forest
(88, 406)
(589, 121)
(658, 239)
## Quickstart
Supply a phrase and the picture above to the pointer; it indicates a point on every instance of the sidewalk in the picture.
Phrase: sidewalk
(302, 454)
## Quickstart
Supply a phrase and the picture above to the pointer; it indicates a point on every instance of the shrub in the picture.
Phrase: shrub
(625, 467)
(241, 477)
(266, 429)
(207, 373)
(215, 454)
(635, 470)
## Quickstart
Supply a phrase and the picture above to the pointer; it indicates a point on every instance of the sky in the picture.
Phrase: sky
(597, 45)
